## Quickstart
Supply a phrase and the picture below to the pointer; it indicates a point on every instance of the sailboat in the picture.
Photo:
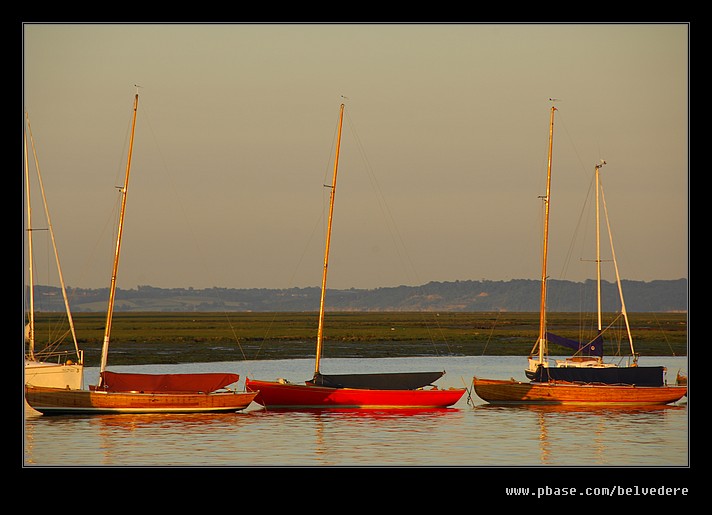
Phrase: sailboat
(584, 378)
(140, 393)
(363, 390)
(48, 366)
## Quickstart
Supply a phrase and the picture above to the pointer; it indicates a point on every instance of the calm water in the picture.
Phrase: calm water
(471, 434)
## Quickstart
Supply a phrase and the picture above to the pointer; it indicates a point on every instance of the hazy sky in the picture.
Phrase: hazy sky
(443, 155)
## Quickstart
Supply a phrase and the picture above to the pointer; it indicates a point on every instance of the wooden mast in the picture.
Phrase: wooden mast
(547, 202)
(54, 244)
(112, 289)
(598, 248)
(320, 332)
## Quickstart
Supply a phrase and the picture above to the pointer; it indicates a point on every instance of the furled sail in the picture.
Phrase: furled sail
(386, 381)
(592, 348)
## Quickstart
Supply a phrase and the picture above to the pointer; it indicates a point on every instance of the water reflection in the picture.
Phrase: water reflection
(589, 435)
(351, 437)
(370, 413)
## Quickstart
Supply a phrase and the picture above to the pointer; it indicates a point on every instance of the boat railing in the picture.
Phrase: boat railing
(583, 362)
(60, 357)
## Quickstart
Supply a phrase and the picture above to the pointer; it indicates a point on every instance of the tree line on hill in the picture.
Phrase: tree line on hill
(514, 295)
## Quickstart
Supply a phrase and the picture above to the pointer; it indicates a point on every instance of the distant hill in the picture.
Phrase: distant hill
(514, 295)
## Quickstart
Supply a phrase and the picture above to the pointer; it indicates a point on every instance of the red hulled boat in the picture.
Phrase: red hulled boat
(390, 390)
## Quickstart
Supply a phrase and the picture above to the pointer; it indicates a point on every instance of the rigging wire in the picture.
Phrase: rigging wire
(397, 239)
(192, 233)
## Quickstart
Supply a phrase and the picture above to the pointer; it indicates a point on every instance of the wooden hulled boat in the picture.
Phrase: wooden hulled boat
(585, 377)
(383, 390)
(159, 393)
(139, 393)
(497, 391)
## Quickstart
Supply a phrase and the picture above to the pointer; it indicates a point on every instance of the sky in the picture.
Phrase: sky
(442, 162)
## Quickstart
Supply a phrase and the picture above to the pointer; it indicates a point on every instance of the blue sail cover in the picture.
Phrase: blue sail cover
(592, 348)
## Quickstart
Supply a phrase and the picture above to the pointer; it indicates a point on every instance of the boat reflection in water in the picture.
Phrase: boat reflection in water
(327, 436)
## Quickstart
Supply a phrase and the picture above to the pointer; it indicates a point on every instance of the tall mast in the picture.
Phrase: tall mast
(112, 289)
(598, 248)
(547, 201)
(54, 244)
(320, 332)
(31, 335)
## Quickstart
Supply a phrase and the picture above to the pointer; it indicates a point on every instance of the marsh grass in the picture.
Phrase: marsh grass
(165, 337)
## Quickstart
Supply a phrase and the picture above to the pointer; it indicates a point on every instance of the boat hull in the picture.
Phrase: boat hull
(283, 395)
(62, 401)
(496, 391)
(57, 375)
